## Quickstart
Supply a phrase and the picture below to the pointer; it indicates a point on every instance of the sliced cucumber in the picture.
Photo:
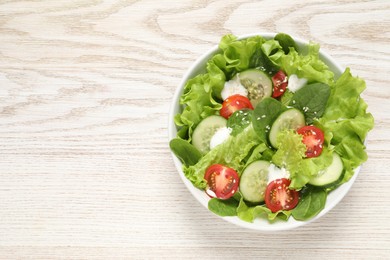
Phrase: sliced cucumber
(330, 175)
(289, 119)
(205, 130)
(258, 84)
(253, 181)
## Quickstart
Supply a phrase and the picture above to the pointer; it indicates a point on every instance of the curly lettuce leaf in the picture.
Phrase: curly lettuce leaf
(291, 149)
(237, 53)
(199, 100)
(291, 155)
(308, 66)
(347, 122)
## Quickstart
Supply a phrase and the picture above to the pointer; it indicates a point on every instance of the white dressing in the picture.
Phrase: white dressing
(295, 83)
(220, 136)
(233, 87)
(275, 172)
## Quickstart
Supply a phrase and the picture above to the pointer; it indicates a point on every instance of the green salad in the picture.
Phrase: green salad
(268, 130)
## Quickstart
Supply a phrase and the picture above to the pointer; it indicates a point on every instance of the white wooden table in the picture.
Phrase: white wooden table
(85, 168)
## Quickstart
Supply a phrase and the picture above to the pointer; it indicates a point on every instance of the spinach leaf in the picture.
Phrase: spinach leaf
(286, 42)
(185, 151)
(239, 120)
(311, 203)
(264, 115)
(311, 100)
(223, 208)
(260, 60)
(257, 154)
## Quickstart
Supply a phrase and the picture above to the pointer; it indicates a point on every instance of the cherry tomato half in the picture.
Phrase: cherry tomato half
(222, 181)
(280, 82)
(234, 103)
(279, 197)
(313, 138)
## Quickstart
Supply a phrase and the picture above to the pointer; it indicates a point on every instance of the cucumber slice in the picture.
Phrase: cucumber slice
(289, 119)
(205, 130)
(258, 84)
(253, 181)
(331, 175)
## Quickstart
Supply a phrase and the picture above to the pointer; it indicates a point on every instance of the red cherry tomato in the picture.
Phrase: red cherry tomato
(279, 197)
(313, 138)
(280, 82)
(222, 181)
(234, 103)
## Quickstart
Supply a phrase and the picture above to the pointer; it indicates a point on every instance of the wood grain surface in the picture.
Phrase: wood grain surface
(85, 91)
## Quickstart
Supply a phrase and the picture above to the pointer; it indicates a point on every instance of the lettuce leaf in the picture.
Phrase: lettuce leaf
(237, 53)
(199, 104)
(291, 155)
(291, 150)
(307, 66)
(346, 121)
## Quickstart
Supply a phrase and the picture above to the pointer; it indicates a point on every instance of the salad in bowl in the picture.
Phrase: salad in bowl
(268, 131)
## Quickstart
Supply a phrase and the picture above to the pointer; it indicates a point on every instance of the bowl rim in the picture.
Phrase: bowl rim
(202, 198)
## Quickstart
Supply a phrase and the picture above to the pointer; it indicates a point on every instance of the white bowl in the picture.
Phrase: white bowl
(261, 224)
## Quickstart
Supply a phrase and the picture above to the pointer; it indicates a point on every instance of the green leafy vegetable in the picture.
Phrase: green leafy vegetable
(346, 121)
(185, 151)
(239, 120)
(198, 103)
(286, 97)
(307, 66)
(286, 41)
(291, 155)
(264, 114)
(264, 56)
(259, 152)
(223, 207)
(237, 53)
(291, 149)
(311, 100)
(311, 203)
